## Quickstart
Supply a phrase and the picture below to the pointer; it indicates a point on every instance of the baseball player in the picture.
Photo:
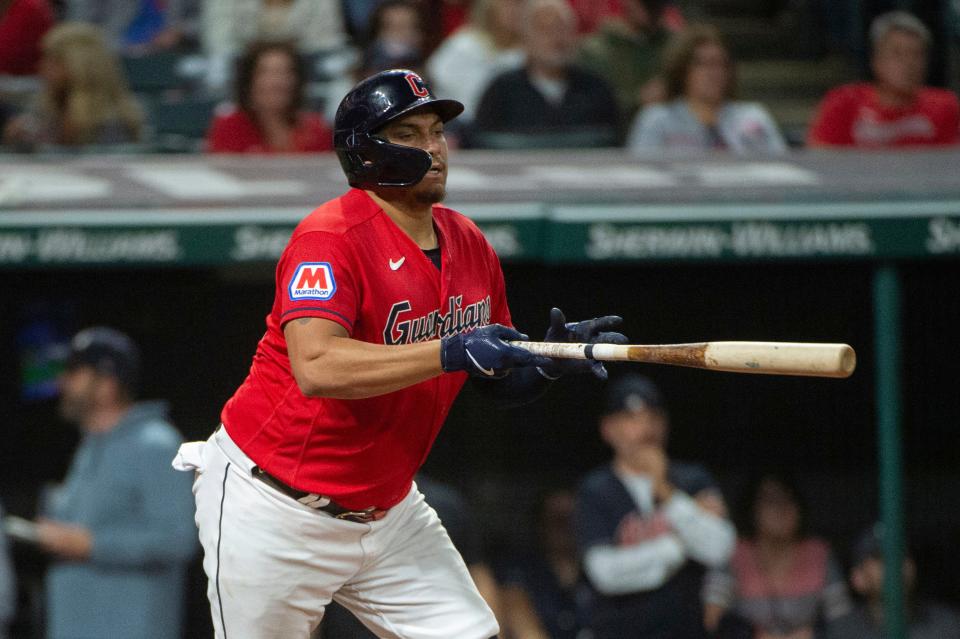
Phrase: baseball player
(385, 304)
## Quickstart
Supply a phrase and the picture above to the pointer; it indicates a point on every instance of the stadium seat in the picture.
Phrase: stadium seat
(180, 126)
(153, 73)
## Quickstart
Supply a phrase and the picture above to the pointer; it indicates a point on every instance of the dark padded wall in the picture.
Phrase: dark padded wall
(199, 328)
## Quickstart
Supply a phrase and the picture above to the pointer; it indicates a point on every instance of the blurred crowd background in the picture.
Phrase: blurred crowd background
(775, 536)
(266, 75)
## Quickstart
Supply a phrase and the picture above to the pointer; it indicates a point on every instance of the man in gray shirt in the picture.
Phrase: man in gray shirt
(120, 529)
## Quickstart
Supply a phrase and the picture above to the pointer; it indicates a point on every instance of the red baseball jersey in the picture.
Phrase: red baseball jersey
(349, 263)
(851, 115)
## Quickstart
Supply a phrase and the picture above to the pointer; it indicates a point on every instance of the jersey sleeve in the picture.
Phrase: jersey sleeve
(317, 278)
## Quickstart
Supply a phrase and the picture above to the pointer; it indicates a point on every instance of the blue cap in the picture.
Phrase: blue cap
(107, 351)
(632, 393)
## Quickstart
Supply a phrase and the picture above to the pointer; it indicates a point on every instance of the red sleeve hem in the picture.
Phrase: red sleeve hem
(320, 312)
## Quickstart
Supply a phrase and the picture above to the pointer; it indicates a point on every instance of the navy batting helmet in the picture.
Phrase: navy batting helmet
(368, 160)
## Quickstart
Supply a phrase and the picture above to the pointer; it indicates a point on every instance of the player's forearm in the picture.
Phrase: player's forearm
(707, 538)
(618, 570)
(346, 368)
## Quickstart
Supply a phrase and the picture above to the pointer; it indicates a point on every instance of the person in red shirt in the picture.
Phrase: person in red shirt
(386, 303)
(22, 26)
(268, 116)
(896, 109)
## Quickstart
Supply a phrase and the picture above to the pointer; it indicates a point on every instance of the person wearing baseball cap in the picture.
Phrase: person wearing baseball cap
(647, 526)
(119, 530)
(925, 620)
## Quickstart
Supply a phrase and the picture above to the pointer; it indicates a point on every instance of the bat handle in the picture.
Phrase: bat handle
(563, 350)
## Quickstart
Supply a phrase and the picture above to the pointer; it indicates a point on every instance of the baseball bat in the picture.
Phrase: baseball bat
(764, 358)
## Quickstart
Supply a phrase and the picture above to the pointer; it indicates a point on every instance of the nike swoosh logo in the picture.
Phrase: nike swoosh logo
(395, 265)
(489, 372)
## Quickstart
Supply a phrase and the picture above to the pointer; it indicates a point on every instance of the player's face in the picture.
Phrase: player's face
(550, 39)
(709, 74)
(627, 431)
(900, 61)
(54, 73)
(274, 80)
(423, 130)
(400, 25)
(776, 514)
(505, 18)
(78, 388)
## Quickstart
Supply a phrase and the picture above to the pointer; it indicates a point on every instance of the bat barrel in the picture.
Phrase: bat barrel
(764, 358)
(782, 358)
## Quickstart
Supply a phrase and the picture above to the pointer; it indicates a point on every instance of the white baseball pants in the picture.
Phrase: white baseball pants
(273, 564)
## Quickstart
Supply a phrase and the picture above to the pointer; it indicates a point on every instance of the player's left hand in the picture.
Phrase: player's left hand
(486, 352)
(591, 331)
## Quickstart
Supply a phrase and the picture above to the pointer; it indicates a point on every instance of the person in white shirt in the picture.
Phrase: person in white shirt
(464, 63)
(229, 26)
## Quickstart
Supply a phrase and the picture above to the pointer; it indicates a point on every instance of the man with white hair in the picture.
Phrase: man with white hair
(549, 95)
(896, 109)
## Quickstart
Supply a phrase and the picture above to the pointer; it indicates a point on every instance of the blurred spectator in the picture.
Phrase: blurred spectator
(8, 590)
(137, 26)
(84, 99)
(626, 52)
(464, 64)
(702, 114)
(896, 109)
(464, 531)
(396, 38)
(268, 116)
(925, 620)
(230, 26)
(780, 582)
(22, 26)
(544, 592)
(648, 527)
(120, 529)
(549, 95)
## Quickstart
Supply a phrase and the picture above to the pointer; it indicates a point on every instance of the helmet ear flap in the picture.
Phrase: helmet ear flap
(370, 161)
(397, 165)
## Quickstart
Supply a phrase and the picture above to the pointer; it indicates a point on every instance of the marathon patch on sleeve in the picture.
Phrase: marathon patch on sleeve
(312, 281)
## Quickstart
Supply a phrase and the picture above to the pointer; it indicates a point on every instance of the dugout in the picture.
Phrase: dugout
(817, 247)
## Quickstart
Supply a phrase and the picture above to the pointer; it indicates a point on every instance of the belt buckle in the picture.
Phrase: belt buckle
(357, 516)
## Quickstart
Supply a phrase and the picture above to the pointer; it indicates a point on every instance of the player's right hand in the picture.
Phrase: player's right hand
(485, 352)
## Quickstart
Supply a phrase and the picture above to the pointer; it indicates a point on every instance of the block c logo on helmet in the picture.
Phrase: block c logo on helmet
(312, 281)
(417, 85)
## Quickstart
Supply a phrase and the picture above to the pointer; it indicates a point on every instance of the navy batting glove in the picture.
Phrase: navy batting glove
(485, 352)
(591, 331)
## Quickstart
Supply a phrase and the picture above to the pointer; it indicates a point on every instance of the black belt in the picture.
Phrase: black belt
(319, 502)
